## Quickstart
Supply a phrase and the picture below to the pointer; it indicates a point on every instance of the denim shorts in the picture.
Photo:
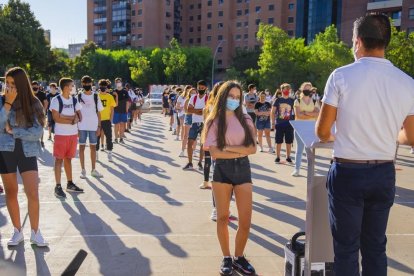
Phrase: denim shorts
(261, 125)
(188, 120)
(232, 171)
(195, 130)
(86, 134)
(120, 118)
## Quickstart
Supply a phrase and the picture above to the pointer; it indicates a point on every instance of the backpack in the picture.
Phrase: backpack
(195, 100)
(95, 98)
(59, 98)
(49, 99)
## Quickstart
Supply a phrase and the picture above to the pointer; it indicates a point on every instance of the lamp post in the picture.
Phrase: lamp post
(214, 61)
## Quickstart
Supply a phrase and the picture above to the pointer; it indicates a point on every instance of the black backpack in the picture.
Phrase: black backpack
(95, 98)
(59, 98)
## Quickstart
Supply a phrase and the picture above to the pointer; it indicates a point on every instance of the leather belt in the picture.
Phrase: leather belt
(342, 160)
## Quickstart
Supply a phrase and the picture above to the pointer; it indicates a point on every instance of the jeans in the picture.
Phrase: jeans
(360, 199)
(300, 146)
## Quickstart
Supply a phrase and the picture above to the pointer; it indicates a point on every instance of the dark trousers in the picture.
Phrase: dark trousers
(107, 129)
(360, 198)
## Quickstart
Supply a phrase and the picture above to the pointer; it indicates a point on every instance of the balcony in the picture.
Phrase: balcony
(120, 30)
(100, 2)
(99, 21)
(121, 6)
(384, 5)
(99, 10)
(100, 32)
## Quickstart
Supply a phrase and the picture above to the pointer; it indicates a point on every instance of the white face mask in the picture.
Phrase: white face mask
(267, 93)
(119, 85)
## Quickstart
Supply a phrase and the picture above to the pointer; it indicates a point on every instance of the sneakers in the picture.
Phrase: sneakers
(83, 174)
(170, 129)
(37, 239)
(121, 141)
(71, 187)
(289, 160)
(271, 150)
(177, 138)
(213, 216)
(182, 154)
(102, 148)
(96, 174)
(189, 166)
(16, 238)
(261, 149)
(205, 185)
(59, 191)
(226, 267)
(277, 160)
(116, 141)
(200, 166)
(110, 157)
(242, 265)
(295, 173)
(174, 132)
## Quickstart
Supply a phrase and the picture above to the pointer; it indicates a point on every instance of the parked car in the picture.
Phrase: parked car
(155, 100)
(146, 107)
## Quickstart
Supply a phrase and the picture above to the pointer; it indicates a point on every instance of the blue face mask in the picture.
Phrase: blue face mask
(232, 104)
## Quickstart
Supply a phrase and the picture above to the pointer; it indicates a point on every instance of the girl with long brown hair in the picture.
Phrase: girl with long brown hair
(229, 135)
(21, 126)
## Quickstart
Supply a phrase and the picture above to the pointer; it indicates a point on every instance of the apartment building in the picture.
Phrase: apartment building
(223, 25)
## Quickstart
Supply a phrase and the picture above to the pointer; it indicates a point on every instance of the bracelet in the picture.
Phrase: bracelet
(8, 103)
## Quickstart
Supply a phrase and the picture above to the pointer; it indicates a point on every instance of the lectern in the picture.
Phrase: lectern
(319, 245)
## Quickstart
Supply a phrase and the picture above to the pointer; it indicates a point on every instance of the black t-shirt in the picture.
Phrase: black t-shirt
(173, 98)
(263, 107)
(123, 98)
(41, 96)
(284, 111)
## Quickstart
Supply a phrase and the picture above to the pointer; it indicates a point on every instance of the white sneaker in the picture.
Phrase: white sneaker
(213, 216)
(182, 154)
(83, 174)
(412, 151)
(295, 173)
(177, 138)
(37, 239)
(205, 185)
(261, 149)
(16, 238)
(96, 174)
(110, 157)
(271, 150)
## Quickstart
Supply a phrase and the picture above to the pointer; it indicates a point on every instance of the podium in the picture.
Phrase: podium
(319, 244)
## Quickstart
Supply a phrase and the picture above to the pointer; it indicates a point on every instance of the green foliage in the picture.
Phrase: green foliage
(401, 51)
(175, 62)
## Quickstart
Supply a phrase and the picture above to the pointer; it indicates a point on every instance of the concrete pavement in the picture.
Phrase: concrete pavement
(148, 217)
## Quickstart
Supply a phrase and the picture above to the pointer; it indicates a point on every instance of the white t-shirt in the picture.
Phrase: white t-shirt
(199, 104)
(131, 95)
(65, 129)
(373, 98)
(181, 102)
(89, 117)
(269, 98)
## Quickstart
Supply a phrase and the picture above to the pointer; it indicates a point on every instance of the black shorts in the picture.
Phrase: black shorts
(232, 171)
(284, 133)
(10, 161)
(133, 106)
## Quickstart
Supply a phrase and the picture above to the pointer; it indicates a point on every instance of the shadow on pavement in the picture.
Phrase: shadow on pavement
(399, 266)
(114, 257)
(139, 219)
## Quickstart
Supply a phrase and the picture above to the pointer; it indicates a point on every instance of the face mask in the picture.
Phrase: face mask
(119, 85)
(232, 104)
(306, 92)
(52, 90)
(286, 92)
(35, 89)
(102, 89)
(201, 91)
(87, 87)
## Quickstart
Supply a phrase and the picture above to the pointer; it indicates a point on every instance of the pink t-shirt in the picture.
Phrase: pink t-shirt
(234, 134)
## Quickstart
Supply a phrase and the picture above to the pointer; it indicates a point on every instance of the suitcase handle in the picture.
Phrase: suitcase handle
(295, 237)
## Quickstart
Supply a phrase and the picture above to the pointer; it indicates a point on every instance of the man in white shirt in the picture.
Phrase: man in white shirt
(196, 106)
(66, 114)
(90, 126)
(372, 104)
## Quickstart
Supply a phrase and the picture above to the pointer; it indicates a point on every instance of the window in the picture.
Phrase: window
(410, 30)
(246, 36)
(220, 13)
(257, 47)
(270, 20)
(220, 25)
(258, 22)
(239, 12)
(239, 1)
(139, 11)
(191, 7)
(208, 26)
(219, 62)
(291, 19)
(209, 3)
(396, 15)
(246, 24)
(133, 25)
(220, 49)
(133, 37)
(133, 13)
(238, 37)
(221, 2)
(139, 24)
(411, 13)
(168, 2)
(220, 37)
(209, 14)
(209, 38)
(191, 29)
(239, 24)
(271, 7)
(191, 18)
(198, 40)
(291, 6)
(199, 5)
(246, 11)
(191, 41)
(258, 9)
(139, 36)
(199, 28)
(199, 17)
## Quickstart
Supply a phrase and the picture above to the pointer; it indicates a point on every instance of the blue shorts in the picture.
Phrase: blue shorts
(261, 125)
(120, 118)
(195, 130)
(86, 134)
(188, 120)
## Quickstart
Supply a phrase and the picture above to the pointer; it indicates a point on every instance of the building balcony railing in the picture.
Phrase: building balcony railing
(121, 6)
(385, 5)
(100, 2)
(100, 9)
(98, 21)
(100, 32)
(120, 30)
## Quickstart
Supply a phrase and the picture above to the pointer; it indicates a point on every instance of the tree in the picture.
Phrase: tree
(23, 43)
(140, 69)
(175, 62)
(58, 65)
(401, 51)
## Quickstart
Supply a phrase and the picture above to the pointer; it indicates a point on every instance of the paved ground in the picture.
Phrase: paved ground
(148, 217)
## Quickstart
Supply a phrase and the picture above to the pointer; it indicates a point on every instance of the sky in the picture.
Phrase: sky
(66, 19)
